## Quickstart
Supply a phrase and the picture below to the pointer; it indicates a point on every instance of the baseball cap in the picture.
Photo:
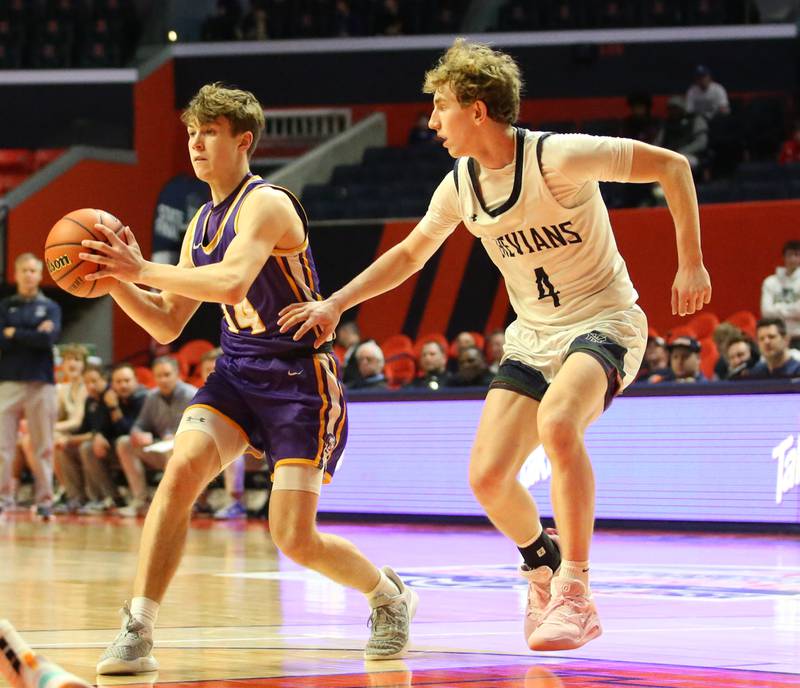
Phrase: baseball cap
(686, 342)
(701, 70)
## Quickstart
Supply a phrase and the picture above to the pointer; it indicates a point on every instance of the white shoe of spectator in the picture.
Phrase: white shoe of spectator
(97, 506)
(134, 509)
(233, 512)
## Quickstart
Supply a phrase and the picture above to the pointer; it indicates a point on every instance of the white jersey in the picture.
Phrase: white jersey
(544, 224)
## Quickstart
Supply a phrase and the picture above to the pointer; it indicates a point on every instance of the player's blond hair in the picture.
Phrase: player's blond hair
(476, 72)
(240, 108)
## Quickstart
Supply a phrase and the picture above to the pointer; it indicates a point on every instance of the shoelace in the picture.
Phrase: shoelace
(389, 617)
(559, 608)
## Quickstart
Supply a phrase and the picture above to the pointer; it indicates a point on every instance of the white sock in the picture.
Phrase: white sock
(385, 586)
(145, 610)
(575, 570)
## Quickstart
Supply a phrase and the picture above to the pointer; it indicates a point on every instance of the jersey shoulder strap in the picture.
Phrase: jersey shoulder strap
(539, 145)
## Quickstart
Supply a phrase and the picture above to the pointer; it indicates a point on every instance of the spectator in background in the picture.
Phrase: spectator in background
(640, 123)
(780, 293)
(739, 357)
(157, 421)
(655, 364)
(684, 132)
(255, 24)
(71, 393)
(348, 336)
(369, 358)
(774, 344)
(684, 360)
(206, 365)
(433, 364)
(121, 404)
(389, 21)
(345, 22)
(234, 471)
(790, 149)
(30, 324)
(472, 369)
(421, 132)
(80, 493)
(494, 349)
(71, 398)
(722, 334)
(223, 25)
(706, 97)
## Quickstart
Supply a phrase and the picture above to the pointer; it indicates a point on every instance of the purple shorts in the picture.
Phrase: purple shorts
(291, 409)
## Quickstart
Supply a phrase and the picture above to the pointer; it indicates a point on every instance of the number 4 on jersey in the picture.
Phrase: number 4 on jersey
(546, 288)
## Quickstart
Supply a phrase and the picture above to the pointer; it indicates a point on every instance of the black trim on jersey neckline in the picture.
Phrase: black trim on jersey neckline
(519, 164)
(539, 145)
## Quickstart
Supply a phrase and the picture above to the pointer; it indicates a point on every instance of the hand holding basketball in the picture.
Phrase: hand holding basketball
(63, 249)
(119, 256)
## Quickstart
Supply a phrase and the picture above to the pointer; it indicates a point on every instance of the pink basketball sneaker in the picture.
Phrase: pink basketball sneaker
(538, 590)
(570, 620)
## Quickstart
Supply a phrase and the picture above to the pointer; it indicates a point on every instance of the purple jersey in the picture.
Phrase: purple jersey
(250, 328)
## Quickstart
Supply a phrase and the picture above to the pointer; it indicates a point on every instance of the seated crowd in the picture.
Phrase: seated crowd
(113, 425)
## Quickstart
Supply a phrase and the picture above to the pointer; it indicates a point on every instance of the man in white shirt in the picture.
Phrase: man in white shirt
(780, 292)
(533, 201)
(707, 97)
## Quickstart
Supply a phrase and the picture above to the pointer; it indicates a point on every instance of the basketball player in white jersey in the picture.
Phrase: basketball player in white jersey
(533, 201)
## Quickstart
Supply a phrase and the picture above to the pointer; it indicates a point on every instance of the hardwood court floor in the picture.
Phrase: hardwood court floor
(679, 610)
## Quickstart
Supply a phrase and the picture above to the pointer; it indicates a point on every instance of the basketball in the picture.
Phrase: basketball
(64, 244)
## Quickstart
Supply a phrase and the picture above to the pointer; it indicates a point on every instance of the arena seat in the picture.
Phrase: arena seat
(400, 369)
(745, 321)
(189, 355)
(704, 324)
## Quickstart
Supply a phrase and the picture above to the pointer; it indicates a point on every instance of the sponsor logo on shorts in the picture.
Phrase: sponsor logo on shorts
(327, 451)
(292, 373)
(195, 419)
(596, 338)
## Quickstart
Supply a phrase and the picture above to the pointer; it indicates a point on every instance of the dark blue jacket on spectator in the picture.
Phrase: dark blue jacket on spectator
(789, 369)
(28, 355)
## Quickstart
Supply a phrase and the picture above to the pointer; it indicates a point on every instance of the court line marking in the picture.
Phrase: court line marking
(448, 634)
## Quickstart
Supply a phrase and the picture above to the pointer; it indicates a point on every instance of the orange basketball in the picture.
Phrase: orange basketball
(64, 244)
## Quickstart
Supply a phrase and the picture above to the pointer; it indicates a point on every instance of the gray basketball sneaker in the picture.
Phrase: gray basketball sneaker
(130, 653)
(390, 620)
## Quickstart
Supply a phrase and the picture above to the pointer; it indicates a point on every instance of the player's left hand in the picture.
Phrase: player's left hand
(120, 259)
(691, 290)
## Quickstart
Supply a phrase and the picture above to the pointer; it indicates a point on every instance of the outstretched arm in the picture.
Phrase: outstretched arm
(392, 268)
(266, 216)
(692, 286)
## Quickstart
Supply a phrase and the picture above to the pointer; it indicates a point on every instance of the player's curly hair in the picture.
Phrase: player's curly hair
(476, 72)
(241, 108)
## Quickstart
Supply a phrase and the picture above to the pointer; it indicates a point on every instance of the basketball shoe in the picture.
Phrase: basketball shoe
(538, 590)
(131, 651)
(390, 620)
(569, 621)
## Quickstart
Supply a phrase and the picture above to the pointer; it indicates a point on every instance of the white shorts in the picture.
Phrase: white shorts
(545, 349)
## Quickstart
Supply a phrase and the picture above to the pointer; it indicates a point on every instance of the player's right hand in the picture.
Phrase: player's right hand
(322, 315)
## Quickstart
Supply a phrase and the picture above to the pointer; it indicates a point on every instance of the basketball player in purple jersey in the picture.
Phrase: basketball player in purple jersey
(247, 250)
